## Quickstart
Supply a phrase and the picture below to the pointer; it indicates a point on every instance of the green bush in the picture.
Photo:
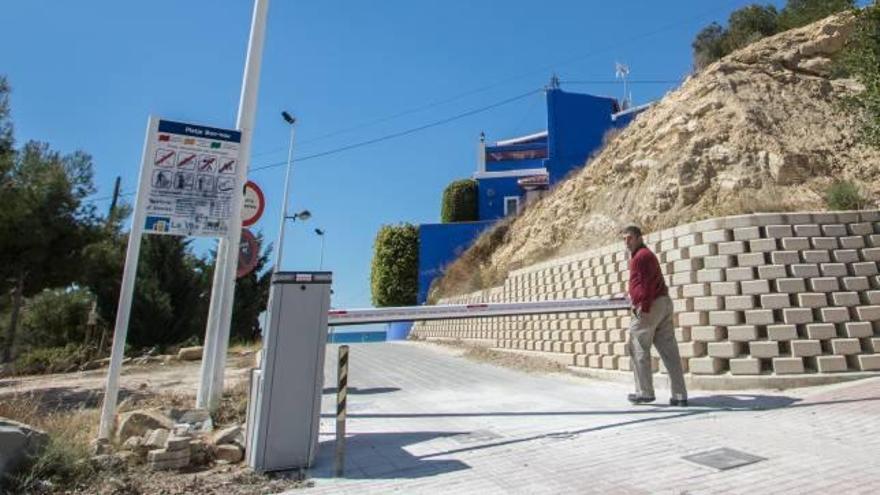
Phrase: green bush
(460, 202)
(50, 360)
(861, 59)
(56, 317)
(799, 13)
(394, 277)
(845, 195)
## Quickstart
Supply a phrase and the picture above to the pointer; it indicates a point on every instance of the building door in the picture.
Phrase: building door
(511, 205)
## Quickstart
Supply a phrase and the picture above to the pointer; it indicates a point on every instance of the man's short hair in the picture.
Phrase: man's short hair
(632, 230)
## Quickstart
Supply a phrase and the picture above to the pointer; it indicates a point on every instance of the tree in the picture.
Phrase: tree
(6, 139)
(56, 317)
(169, 291)
(251, 295)
(754, 22)
(750, 24)
(799, 13)
(394, 277)
(708, 46)
(460, 202)
(44, 226)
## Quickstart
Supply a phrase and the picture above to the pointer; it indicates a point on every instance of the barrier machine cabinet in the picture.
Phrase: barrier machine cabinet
(285, 396)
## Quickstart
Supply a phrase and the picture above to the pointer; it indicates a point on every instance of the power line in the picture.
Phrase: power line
(487, 87)
(617, 81)
(459, 96)
(401, 133)
(107, 198)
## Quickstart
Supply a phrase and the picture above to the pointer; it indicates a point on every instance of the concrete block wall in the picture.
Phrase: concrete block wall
(755, 295)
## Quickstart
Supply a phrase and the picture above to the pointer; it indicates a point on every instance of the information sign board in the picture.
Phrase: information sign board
(191, 179)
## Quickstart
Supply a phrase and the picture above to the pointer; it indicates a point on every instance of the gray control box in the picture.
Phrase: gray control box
(285, 402)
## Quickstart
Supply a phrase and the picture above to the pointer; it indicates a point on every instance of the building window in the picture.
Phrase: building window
(511, 205)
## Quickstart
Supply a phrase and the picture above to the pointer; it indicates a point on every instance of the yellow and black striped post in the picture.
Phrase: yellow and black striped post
(341, 396)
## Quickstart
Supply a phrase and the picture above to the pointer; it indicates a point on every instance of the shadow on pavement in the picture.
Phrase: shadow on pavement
(382, 456)
(749, 402)
(362, 391)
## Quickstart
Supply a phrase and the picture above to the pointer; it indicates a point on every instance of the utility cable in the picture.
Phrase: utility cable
(401, 133)
(494, 85)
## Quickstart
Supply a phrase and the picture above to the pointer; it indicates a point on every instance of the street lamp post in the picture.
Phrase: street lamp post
(321, 233)
(291, 121)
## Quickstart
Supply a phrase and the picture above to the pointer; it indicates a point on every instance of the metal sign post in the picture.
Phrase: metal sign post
(341, 408)
(220, 309)
(183, 189)
(111, 391)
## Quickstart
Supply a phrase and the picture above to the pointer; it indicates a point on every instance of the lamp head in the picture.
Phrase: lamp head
(287, 117)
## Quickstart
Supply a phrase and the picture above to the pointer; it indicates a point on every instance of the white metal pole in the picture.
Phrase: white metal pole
(321, 264)
(123, 310)
(286, 200)
(222, 295)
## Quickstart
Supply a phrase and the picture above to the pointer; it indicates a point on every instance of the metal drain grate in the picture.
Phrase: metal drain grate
(723, 458)
(476, 436)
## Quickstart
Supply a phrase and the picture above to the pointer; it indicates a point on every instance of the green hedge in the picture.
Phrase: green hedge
(394, 277)
(460, 202)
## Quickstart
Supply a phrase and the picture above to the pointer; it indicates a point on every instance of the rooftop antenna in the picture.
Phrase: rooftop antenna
(554, 82)
(621, 71)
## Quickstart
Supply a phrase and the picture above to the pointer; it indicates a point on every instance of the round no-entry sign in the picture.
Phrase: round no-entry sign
(254, 204)
(248, 253)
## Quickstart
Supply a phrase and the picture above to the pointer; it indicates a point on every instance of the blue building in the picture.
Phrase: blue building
(515, 171)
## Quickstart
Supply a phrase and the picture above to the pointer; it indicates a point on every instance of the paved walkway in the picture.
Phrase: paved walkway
(424, 420)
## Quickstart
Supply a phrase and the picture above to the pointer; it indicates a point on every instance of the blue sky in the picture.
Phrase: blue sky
(86, 75)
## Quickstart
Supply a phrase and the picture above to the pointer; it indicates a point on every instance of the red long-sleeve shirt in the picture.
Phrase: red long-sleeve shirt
(646, 282)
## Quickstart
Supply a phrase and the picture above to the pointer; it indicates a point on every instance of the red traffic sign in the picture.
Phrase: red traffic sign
(254, 204)
(248, 253)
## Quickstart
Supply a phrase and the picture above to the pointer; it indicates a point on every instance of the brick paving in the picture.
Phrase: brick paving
(422, 419)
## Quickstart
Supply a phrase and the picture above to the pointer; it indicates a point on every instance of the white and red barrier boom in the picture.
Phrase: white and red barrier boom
(364, 316)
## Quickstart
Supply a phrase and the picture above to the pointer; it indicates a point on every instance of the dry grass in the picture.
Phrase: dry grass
(162, 400)
(233, 405)
(65, 460)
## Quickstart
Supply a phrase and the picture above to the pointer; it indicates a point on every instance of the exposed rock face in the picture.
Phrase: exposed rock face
(18, 441)
(138, 423)
(229, 452)
(190, 353)
(763, 129)
(233, 434)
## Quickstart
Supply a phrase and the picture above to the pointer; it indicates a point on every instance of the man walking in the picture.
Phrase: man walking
(651, 323)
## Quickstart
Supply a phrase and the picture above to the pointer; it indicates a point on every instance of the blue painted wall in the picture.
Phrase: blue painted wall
(491, 193)
(398, 330)
(439, 245)
(576, 124)
(356, 337)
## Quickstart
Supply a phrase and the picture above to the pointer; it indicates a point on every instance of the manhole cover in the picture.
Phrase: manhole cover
(723, 458)
(476, 436)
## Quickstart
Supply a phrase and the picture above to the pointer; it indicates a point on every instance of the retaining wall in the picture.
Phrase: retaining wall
(762, 297)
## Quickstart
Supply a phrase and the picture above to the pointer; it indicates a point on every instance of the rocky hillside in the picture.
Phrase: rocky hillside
(762, 129)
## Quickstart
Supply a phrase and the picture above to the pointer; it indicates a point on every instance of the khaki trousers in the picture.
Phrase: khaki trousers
(655, 327)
